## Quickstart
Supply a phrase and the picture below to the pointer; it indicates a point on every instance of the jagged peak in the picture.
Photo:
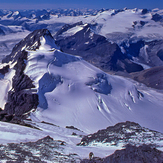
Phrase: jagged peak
(30, 43)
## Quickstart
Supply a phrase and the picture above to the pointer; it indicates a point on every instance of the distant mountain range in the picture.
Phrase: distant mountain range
(126, 40)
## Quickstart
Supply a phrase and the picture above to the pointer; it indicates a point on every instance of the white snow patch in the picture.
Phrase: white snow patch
(72, 31)
(6, 85)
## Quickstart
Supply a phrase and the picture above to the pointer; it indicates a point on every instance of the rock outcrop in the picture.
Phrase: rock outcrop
(123, 133)
(43, 150)
(22, 98)
(94, 48)
(131, 154)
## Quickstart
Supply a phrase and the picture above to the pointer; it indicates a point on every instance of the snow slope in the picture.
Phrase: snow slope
(72, 92)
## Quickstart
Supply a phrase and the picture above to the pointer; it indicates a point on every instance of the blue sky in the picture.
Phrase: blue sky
(35, 4)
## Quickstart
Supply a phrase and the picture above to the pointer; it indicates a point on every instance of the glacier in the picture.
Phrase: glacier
(73, 92)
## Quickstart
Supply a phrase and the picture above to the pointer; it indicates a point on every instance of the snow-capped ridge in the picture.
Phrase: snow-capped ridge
(67, 91)
(81, 39)
(31, 43)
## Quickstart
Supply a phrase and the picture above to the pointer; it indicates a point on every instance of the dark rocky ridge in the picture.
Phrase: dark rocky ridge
(67, 27)
(144, 11)
(22, 98)
(95, 49)
(107, 56)
(131, 154)
(46, 150)
(156, 17)
(4, 70)
(146, 52)
(149, 53)
(133, 49)
(153, 49)
(49, 150)
(31, 42)
(125, 133)
(152, 77)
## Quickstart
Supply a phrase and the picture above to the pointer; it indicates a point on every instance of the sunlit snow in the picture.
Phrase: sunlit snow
(66, 99)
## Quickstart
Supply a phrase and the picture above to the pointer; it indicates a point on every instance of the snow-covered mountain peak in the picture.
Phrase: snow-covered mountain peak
(38, 39)
(70, 88)
(47, 43)
(65, 90)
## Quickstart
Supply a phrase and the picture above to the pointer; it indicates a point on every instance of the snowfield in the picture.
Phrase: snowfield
(72, 92)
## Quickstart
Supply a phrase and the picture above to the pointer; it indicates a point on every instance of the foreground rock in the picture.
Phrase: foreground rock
(131, 154)
(122, 134)
(22, 98)
(42, 151)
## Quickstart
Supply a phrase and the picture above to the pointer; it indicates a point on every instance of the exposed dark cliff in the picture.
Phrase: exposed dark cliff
(95, 49)
(22, 98)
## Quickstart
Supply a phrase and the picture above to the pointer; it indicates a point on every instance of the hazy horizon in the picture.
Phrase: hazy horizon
(98, 4)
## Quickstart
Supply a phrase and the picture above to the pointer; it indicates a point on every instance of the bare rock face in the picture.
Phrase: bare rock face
(45, 150)
(22, 98)
(123, 133)
(146, 52)
(154, 53)
(156, 17)
(2, 32)
(138, 54)
(31, 42)
(94, 160)
(144, 11)
(94, 48)
(131, 154)
(151, 77)
(4, 70)
(151, 54)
